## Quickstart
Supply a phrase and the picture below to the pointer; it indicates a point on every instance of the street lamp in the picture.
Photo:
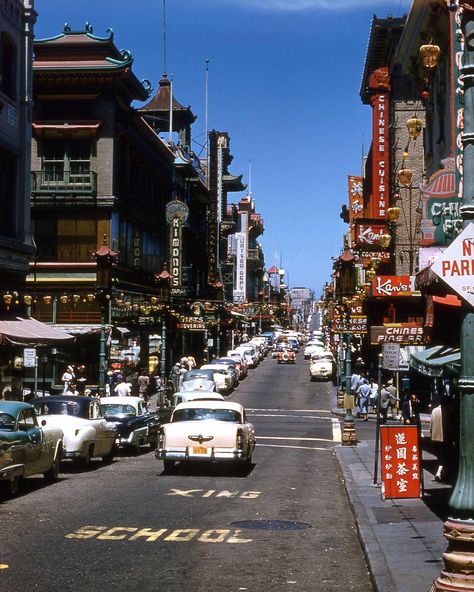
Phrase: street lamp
(105, 259)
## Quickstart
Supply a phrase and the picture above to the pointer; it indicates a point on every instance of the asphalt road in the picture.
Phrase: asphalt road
(128, 526)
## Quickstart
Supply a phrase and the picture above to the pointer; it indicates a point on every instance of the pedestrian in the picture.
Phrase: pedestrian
(373, 395)
(437, 439)
(71, 390)
(123, 389)
(394, 400)
(143, 382)
(363, 392)
(384, 403)
(192, 362)
(174, 376)
(410, 409)
(67, 377)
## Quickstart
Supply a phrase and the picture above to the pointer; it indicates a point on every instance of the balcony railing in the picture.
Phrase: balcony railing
(64, 182)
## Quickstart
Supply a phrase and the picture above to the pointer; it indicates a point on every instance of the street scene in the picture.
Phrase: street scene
(236, 291)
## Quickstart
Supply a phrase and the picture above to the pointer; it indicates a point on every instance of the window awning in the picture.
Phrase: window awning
(28, 331)
(436, 361)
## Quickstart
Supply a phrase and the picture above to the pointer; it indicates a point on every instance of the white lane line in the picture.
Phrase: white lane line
(290, 410)
(297, 439)
(286, 446)
(282, 416)
(336, 430)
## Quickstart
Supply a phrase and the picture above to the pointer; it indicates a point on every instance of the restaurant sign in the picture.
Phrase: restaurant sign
(400, 461)
(367, 234)
(394, 285)
(357, 324)
(403, 333)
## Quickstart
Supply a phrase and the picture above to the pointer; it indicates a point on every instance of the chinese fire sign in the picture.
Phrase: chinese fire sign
(400, 462)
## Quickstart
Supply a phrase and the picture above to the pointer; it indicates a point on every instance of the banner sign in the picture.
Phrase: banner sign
(240, 289)
(394, 285)
(400, 461)
(369, 234)
(379, 81)
(456, 265)
(403, 333)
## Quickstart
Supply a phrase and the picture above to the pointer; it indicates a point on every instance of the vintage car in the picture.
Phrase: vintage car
(184, 397)
(285, 355)
(222, 376)
(322, 367)
(312, 347)
(197, 379)
(25, 447)
(240, 363)
(206, 431)
(136, 424)
(87, 434)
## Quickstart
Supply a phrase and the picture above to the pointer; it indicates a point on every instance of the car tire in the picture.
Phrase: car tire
(107, 459)
(14, 485)
(153, 443)
(168, 465)
(53, 473)
(86, 460)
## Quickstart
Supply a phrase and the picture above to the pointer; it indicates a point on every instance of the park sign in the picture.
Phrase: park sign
(455, 265)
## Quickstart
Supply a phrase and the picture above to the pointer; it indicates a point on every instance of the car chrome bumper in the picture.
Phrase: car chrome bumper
(210, 456)
(9, 473)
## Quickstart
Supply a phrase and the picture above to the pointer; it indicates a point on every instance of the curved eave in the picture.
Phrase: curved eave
(233, 183)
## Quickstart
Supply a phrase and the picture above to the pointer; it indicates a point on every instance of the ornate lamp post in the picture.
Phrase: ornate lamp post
(459, 527)
(105, 259)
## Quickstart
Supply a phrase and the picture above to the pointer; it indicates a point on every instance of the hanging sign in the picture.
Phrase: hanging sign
(394, 285)
(29, 357)
(369, 234)
(403, 333)
(177, 213)
(391, 356)
(400, 461)
(456, 264)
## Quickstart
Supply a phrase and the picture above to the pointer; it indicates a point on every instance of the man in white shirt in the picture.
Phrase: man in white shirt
(123, 389)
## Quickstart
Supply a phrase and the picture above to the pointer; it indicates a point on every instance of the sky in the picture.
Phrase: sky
(284, 80)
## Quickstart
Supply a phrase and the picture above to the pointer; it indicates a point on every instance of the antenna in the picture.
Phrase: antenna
(250, 177)
(164, 37)
(171, 110)
(206, 140)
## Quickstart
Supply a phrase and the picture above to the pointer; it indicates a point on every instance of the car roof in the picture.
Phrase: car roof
(13, 407)
(199, 395)
(123, 400)
(212, 366)
(211, 405)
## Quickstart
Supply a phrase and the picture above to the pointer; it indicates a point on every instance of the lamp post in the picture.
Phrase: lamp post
(164, 278)
(349, 436)
(459, 527)
(105, 259)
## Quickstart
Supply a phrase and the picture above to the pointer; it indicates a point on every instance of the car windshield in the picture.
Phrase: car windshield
(197, 413)
(58, 408)
(194, 374)
(7, 422)
(117, 409)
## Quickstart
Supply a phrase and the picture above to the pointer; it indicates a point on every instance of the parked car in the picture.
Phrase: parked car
(232, 365)
(87, 434)
(322, 367)
(26, 448)
(136, 424)
(222, 377)
(286, 356)
(198, 379)
(311, 349)
(240, 362)
(251, 353)
(165, 413)
(206, 431)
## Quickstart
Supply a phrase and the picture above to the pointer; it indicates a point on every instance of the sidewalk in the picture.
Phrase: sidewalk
(402, 539)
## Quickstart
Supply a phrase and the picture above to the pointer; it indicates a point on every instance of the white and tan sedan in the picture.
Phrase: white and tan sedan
(206, 431)
(321, 366)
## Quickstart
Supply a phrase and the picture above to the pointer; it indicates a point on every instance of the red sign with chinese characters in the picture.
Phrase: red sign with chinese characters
(367, 234)
(400, 461)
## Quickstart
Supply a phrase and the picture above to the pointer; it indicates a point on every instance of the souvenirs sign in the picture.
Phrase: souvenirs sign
(394, 285)
(400, 462)
(456, 264)
(403, 333)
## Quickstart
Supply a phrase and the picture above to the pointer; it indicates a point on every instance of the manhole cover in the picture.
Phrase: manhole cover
(271, 524)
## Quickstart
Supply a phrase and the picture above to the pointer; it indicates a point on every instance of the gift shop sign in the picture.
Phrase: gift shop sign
(456, 264)
(400, 462)
(394, 285)
(403, 333)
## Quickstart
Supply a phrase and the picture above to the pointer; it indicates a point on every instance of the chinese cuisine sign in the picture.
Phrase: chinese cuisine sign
(400, 462)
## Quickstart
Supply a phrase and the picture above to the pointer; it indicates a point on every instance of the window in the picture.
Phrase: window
(27, 420)
(8, 166)
(66, 239)
(67, 161)
(8, 66)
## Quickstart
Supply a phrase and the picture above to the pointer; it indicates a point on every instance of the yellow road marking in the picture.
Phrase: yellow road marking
(297, 439)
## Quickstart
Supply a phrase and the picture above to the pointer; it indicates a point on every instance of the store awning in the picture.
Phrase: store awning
(82, 329)
(436, 361)
(28, 331)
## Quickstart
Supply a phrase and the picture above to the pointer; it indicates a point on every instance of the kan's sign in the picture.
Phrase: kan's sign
(369, 234)
(394, 285)
(456, 265)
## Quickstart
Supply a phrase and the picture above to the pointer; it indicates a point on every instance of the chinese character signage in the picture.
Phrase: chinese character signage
(400, 461)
